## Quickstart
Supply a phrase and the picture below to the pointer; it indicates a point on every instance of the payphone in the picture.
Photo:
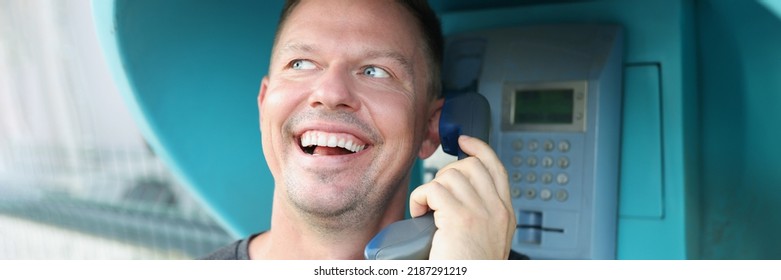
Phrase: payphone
(555, 94)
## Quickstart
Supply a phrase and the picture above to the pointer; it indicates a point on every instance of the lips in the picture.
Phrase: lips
(327, 143)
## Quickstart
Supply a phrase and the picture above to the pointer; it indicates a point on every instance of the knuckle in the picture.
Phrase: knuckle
(448, 172)
(472, 161)
(435, 186)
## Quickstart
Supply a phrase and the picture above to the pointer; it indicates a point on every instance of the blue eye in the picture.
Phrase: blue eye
(302, 64)
(375, 72)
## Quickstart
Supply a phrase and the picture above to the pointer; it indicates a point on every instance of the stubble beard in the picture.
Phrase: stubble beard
(352, 209)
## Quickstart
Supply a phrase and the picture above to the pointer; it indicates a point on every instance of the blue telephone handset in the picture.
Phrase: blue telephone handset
(466, 113)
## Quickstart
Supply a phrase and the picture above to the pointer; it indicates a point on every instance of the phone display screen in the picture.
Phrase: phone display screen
(543, 106)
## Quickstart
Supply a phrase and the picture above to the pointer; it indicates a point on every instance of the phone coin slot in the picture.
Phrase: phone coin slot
(530, 227)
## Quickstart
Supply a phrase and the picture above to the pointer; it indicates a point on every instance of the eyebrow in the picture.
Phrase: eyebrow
(296, 47)
(371, 54)
(400, 59)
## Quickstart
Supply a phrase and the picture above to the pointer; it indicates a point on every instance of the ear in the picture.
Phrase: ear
(261, 98)
(262, 92)
(431, 141)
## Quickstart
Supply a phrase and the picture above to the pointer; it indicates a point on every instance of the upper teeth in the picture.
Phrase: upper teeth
(312, 138)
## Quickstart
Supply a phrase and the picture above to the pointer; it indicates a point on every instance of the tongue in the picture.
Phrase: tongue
(330, 151)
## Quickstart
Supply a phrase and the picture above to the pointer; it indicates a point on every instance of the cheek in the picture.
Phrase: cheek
(279, 102)
(396, 118)
(275, 97)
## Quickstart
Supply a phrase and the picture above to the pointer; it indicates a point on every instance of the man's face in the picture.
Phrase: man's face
(344, 110)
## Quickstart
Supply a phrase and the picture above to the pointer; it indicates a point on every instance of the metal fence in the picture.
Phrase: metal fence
(80, 203)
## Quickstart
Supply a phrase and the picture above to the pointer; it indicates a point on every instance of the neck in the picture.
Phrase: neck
(295, 236)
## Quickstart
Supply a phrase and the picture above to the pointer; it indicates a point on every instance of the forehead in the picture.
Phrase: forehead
(350, 24)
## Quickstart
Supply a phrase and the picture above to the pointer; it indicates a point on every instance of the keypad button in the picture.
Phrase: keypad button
(517, 176)
(518, 144)
(531, 177)
(531, 161)
(533, 145)
(547, 178)
(548, 145)
(562, 195)
(563, 162)
(563, 146)
(547, 162)
(517, 160)
(562, 179)
(515, 192)
(546, 194)
(530, 193)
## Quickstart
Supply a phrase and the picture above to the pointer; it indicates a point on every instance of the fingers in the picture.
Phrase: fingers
(472, 205)
(472, 184)
(429, 196)
(491, 162)
(465, 229)
(450, 188)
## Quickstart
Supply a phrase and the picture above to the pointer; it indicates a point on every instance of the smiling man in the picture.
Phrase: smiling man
(350, 101)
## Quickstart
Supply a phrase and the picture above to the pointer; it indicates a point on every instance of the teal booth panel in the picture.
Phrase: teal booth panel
(190, 71)
(740, 76)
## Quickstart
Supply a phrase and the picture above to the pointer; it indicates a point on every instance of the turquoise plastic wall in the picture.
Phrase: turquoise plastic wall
(190, 71)
(740, 77)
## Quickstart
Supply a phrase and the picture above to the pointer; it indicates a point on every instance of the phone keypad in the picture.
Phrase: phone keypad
(547, 178)
(548, 146)
(539, 169)
(562, 179)
(531, 161)
(545, 194)
(517, 161)
(530, 193)
(547, 162)
(533, 145)
(563, 162)
(564, 146)
(518, 144)
(516, 176)
(562, 195)
(531, 177)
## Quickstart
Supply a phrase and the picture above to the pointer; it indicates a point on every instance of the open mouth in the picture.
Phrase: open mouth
(330, 144)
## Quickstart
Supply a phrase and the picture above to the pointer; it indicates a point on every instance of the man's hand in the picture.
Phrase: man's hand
(472, 206)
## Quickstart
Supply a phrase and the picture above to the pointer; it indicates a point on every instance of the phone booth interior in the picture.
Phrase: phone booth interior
(698, 157)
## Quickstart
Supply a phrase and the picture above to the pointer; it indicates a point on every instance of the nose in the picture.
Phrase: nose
(334, 91)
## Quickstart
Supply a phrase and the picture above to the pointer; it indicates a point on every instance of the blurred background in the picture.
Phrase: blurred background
(77, 179)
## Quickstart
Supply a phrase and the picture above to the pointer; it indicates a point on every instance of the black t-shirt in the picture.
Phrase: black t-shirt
(239, 250)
